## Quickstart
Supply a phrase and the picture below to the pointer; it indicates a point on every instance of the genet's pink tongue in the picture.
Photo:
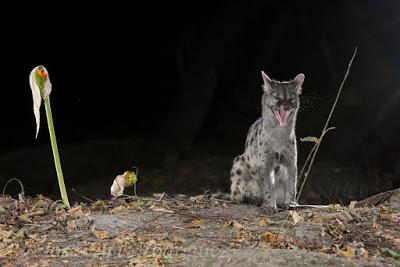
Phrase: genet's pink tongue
(282, 116)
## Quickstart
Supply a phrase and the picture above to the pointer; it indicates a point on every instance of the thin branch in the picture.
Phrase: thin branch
(136, 171)
(55, 203)
(340, 89)
(17, 180)
(315, 147)
(326, 129)
(82, 196)
(305, 164)
(161, 197)
(126, 196)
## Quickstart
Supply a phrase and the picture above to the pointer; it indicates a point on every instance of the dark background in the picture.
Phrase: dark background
(173, 87)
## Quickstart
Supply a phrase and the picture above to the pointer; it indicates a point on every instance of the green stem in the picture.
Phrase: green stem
(56, 156)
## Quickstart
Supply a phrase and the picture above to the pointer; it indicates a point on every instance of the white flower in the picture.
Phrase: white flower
(39, 77)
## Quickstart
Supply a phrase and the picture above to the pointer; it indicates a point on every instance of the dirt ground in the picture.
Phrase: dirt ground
(198, 231)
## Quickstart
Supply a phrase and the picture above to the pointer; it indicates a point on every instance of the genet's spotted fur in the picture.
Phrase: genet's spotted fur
(266, 172)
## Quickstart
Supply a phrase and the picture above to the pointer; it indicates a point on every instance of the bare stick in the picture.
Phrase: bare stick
(161, 197)
(326, 129)
(55, 203)
(82, 196)
(306, 162)
(17, 180)
(137, 174)
(314, 149)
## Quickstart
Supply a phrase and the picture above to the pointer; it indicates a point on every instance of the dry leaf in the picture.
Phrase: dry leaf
(196, 224)
(348, 253)
(34, 237)
(157, 262)
(271, 237)
(235, 224)
(7, 251)
(76, 211)
(4, 234)
(324, 249)
(135, 206)
(362, 253)
(71, 225)
(100, 234)
(159, 208)
(138, 261)
(295, 217)
(335, 206)
(263, 222)
(179, 239)
(386, 216)
(2, 210)
(352, 204)
(20, 234)
(117, 209)
(25, 217)
(375, 226)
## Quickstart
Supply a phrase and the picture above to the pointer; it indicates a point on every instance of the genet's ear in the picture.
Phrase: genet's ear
(267, 82)
(298, 81)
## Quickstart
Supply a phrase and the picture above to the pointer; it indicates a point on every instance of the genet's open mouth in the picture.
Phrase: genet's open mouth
(281, 114)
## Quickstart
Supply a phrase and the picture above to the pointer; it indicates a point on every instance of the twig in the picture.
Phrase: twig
(326, 129)
(34, 225)
(126, 196)
(55, 202)
(82, 196)
(224, 200)
(20, 184)
(315, 149)
(137, 174)
(297, 206)
(173, 199)
(134, 190)
(306, 162)
(161, 197)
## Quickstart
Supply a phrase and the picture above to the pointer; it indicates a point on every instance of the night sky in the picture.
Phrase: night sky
(188, 74)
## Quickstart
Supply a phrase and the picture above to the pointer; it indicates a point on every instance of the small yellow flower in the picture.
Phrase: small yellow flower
(130, 178)
(127, 179)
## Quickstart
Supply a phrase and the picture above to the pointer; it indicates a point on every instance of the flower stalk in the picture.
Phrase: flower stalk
(56, 156)
(41, 89)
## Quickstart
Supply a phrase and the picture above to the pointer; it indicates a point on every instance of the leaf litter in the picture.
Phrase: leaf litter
(152, 231)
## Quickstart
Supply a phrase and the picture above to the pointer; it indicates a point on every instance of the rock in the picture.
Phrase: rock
(269, 257)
